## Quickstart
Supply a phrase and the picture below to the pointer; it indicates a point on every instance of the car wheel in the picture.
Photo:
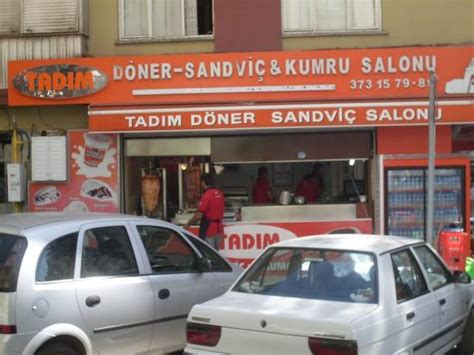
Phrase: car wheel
(59, 348)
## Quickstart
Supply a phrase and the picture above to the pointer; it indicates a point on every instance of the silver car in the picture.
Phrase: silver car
(101, 284)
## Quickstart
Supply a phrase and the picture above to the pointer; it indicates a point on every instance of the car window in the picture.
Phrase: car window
(409, 281)
(57, 260)
(12, 249)
(313, 273)
(167, 251)
(438, 275)
(106, 251)
(217, 262)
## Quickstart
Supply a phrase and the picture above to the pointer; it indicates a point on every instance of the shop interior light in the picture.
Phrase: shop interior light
(352, 162)
(218, 168)
(183, 167)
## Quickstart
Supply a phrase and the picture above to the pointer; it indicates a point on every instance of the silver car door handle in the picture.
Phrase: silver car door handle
(410, 315)
(92, 301)
(442, 302)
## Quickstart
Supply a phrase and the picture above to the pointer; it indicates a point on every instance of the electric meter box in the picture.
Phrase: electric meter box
(16, 182)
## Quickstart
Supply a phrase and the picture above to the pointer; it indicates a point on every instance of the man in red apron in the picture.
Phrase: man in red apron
(309, 189)
(210, 213)
(262, 191)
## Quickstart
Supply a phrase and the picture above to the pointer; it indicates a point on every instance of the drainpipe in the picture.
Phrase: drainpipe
(16, 159)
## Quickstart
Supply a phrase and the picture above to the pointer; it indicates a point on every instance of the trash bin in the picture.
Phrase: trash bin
(454, 247)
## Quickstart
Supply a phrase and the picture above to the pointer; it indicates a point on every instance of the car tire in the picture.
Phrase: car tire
(59, 348)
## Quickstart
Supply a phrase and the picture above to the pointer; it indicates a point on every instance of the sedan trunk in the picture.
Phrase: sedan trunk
(272, 324)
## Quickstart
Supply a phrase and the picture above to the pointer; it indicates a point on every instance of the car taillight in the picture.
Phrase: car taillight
(203, 334)
(320, 346)
(7, 329)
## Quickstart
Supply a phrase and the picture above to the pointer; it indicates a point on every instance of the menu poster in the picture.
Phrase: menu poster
(49, 158)
(282, 174)
(94, 177)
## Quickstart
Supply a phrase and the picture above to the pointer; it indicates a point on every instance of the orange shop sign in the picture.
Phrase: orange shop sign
(61, 81)
(328, 115)
(257, 76)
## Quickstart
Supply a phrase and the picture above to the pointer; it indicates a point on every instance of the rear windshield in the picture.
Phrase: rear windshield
(12, 249)
(344, 276)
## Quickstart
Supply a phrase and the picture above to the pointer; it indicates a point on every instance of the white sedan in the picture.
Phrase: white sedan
(338, 295)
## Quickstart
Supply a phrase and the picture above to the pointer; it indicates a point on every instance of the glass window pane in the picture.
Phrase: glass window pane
(448, 198)
(406, 203)
(135, 18)
(12, 249)
(362, 14)
(107, 251)
(331, 15)
(409, 281)
(166, 250)
(217, 263)
(298, 15)
(191, 17)
(438, 276)
(168, 18)
(313, 273)
(57, 260)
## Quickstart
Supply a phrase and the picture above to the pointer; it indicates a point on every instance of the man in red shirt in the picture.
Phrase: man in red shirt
(262, 191)
(309, 188)
(210, 212)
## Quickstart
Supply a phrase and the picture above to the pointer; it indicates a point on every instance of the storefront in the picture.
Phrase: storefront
(163, 120)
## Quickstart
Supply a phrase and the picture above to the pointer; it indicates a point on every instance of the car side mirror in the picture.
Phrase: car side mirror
(205, 264)
(461, 277)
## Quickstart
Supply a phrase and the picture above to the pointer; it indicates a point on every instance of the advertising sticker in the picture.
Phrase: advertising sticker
(93, 184)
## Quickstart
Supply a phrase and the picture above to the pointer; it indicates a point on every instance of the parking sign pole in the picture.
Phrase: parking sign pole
(431, 161)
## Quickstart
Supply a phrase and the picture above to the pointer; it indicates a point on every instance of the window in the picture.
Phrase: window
(409, 281)
(57, 260)
(12, 249)
(40, 16)
(313, 273)
(330, 15)
(107, 251)
(154, 19)
(438, 276)
(217, 263)
(166, 250)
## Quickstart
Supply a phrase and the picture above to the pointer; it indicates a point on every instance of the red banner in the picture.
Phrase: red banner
(367, 114)
(242, 242)
(93, 184)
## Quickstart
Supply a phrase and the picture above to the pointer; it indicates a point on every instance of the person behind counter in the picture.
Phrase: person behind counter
(210, 213)
(262, 191)
(309, 189)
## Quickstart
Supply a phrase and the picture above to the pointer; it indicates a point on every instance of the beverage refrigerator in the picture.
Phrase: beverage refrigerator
(405, 186)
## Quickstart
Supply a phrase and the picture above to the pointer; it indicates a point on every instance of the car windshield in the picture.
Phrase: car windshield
(340, 275)
(12, 249)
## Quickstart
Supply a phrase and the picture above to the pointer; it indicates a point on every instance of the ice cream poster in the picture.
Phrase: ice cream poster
(93, 184)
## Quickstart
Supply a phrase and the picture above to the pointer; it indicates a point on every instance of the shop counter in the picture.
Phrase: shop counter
(313, 212)
(262, 226)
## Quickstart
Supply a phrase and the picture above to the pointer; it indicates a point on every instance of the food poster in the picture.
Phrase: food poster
(93, 184)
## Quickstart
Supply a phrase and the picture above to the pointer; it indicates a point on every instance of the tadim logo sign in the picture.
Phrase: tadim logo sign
(248, 240)
(60, 81)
